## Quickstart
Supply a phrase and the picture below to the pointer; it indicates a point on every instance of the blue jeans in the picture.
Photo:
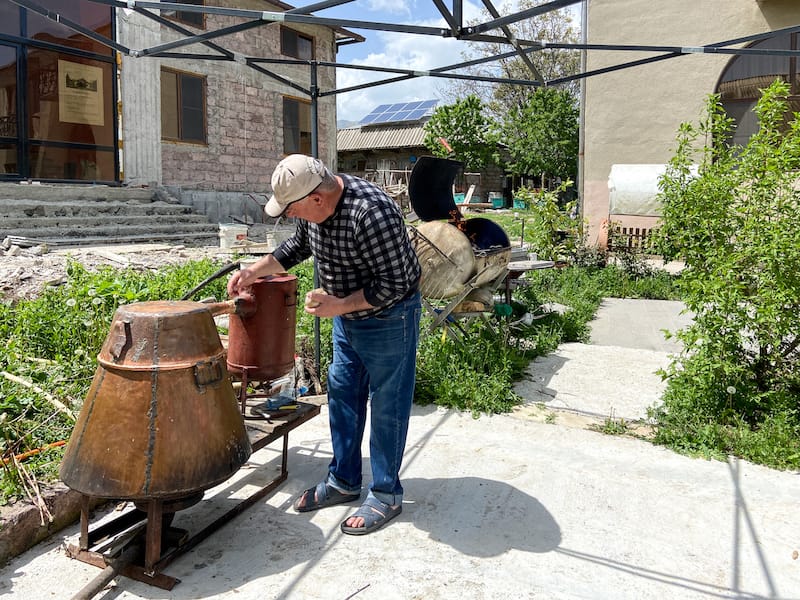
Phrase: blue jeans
(374, 360)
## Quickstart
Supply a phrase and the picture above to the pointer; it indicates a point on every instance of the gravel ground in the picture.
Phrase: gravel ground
(24, 272)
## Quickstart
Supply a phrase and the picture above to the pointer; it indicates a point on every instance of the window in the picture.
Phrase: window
(183, 107)
(742, 80)
(296, 44)
(195, 19)
(296, 126)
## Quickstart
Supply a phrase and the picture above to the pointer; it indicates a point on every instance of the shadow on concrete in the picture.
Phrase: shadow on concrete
(534, 386)
(480, 517)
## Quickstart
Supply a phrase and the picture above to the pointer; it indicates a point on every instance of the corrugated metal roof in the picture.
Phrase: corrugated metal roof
(373, 138)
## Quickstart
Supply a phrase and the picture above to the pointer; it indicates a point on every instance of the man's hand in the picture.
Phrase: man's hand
(240, 280)
(246, 277)
(320, 304)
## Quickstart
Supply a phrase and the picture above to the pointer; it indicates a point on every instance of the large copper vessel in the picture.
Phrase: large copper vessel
(161, 419)
(261, 340)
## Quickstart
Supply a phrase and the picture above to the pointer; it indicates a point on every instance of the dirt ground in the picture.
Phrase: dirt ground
(24, 272)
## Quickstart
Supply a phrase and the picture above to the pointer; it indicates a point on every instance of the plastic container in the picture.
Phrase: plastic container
(496, 199)
(459, 198)
(231, 234)
(519, 203)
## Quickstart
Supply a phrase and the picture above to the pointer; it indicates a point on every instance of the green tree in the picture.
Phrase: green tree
(462, 131)
(733, 215)
(541, 135)
(544, 64)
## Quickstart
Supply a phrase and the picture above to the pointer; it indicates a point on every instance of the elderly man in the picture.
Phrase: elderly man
(369, 275)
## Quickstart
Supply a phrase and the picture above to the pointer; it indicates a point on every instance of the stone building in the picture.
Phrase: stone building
(206, 119)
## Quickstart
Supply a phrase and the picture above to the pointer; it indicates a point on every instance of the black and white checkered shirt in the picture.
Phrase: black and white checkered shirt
(363, 245)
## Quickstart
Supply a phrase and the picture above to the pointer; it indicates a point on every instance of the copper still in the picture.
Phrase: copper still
(161, 419)
(261, 341)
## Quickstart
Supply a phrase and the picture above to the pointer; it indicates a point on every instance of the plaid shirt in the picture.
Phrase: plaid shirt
(363, 245)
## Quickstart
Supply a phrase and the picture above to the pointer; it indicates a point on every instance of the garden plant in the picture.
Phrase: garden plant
(735, 220)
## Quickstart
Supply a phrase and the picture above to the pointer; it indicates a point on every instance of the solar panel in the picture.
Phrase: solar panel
(401, 111)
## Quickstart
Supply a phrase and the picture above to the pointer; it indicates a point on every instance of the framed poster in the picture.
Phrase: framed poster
(80, 93)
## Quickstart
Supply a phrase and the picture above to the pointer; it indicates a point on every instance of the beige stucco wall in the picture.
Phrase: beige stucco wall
(632, 115)
(244, 108)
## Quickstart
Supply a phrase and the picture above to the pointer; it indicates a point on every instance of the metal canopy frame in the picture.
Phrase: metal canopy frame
(456, 29)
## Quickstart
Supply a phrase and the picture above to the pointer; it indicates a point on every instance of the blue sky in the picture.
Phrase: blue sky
(421, 52)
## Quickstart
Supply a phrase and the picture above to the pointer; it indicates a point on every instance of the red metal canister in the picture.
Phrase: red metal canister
(262, 338)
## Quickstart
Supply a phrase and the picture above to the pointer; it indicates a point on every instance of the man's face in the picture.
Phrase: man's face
(309, 208)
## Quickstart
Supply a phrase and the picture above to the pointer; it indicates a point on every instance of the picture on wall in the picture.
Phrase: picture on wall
(80, 93)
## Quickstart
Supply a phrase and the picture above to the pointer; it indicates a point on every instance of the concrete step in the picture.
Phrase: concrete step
(26, 209)
(76, 215)
(183, 238)
(64, 192)
(122, 217)
(10, 226)
(113, 230)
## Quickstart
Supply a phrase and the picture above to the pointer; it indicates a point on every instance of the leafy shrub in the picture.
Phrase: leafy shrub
(735, 220)
(550, 231)
(474, 375)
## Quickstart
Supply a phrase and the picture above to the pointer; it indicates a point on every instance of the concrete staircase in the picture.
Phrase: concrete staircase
(80, 215)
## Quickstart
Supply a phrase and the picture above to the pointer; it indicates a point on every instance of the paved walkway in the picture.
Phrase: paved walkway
(495, 507)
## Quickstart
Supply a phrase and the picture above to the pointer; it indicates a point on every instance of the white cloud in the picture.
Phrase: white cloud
(391, 6)
(402, 51)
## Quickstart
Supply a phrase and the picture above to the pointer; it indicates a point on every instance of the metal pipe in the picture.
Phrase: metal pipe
(223, 271)
(115, 565)
(315, 154)
(96, 585)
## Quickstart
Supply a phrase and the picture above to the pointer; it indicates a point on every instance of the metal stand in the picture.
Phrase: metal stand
(447, 318)
(159, 543)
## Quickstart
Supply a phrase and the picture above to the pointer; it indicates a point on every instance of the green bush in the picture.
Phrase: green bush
(550, 231)
(474, 375)
(735, 221)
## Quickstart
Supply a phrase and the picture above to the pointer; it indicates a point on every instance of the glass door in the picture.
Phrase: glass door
(10, 167)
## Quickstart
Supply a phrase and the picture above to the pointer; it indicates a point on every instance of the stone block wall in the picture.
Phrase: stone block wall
(244, 108)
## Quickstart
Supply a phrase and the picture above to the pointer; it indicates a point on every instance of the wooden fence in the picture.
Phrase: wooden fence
(634, 240)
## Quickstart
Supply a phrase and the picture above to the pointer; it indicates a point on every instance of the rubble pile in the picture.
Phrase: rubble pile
(24, 272)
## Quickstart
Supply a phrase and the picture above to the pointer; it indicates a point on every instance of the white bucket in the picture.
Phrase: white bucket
(231, 234)
(278, 236)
